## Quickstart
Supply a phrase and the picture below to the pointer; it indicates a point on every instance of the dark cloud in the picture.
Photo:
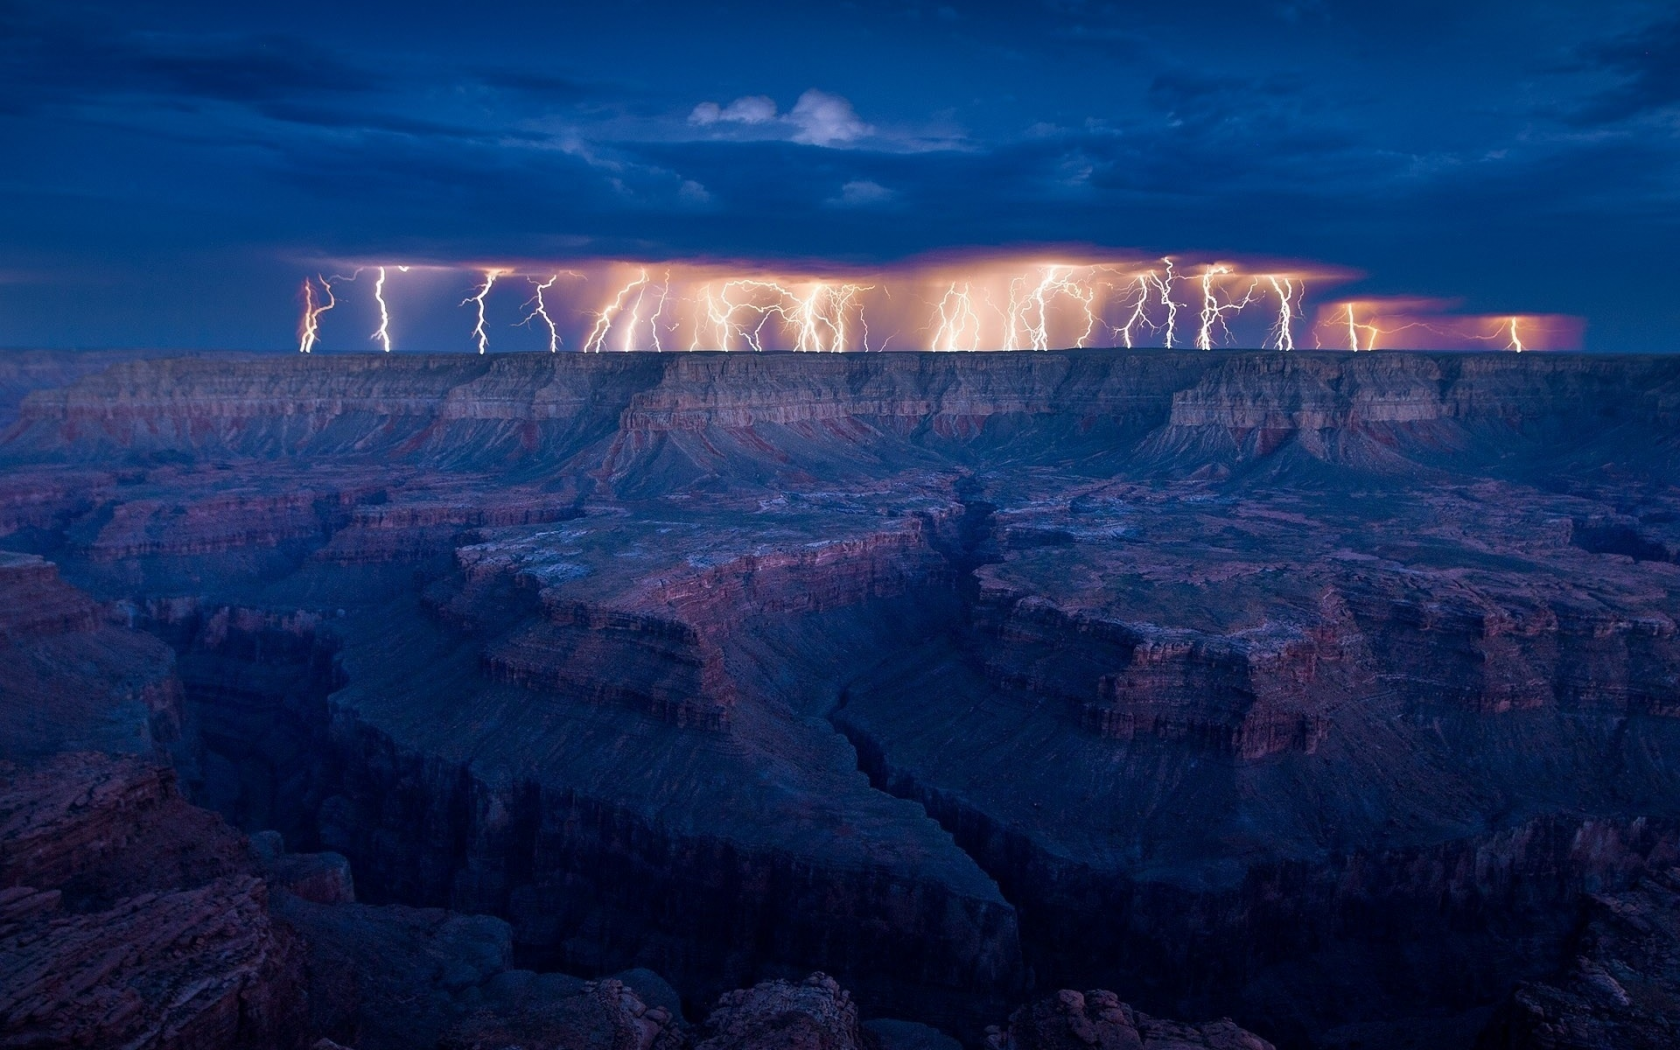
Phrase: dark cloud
(1405, 140)
(542, 87)
(48, 59)
(1646, 61)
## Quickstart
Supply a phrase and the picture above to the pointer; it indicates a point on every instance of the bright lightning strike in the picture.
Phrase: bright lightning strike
(540, 309)
(1355, 330)
(480, 334)
(1139, 315)
(1164, 286)
(1030, 313)
(959, 325)
(661, 292)
(999, 303)
(309, 332)
(383, 335)
(604, 320)
(1214, 311)
(1283, 334)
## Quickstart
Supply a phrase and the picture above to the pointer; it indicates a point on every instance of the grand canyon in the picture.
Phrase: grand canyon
(1087, 698)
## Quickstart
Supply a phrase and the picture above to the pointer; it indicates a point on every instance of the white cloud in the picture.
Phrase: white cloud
(749, 109)
(826, 120)
(817, 119)
(692, 192)
(861, 193)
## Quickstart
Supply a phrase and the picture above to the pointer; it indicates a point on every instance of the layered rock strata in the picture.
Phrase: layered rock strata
(1311, 689)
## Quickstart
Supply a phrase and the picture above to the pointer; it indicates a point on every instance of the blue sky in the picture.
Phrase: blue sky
(173, 169)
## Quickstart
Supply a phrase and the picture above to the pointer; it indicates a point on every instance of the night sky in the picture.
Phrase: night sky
(172, 170)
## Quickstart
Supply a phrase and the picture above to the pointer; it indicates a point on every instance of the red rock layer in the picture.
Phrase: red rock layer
(34, 602)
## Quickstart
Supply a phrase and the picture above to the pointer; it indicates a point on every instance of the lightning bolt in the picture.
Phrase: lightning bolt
(1164, 286)
(659, 311)
(825, 307)
(1355, 329)
(636, 313)
(604, 320)
(1214, 311)
(479, 333)
(956, 317)
(819, 319)
(384, 332)
(309, 331)
(1139, 314)
(540, 309)
(1282, 334)
(1516, 342)
(1029, 311)
(718, 321)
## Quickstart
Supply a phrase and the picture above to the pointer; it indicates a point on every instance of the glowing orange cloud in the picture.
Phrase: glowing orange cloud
(1430, 324)
(974, 301)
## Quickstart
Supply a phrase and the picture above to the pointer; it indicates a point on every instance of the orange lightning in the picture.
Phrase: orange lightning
(825, 308)
(1354, 329)
(990, 302)
(309, 332)
(659, 311)
(636, 313)
(957, 317)
(604, 320)
(1029, 312)
(719, 322)
(479, 332)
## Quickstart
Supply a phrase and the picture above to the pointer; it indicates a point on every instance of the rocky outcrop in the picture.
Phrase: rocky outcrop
(813, 1014)
(96, 828)
(659, 644)
(199, 969)
(1248, 696)
(69, 680)
(1622, 989)
(130, 918)
(597, 1015)
(1072, 1020)
(37, 602)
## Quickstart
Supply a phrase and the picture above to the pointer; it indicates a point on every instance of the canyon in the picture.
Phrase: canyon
(1335, 695)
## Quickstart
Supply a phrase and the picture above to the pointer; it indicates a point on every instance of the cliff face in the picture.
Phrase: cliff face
(1310, 689)
(128, 917)
(1620, 987)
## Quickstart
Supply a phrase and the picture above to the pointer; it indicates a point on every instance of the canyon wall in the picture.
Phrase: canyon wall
(1311, 689)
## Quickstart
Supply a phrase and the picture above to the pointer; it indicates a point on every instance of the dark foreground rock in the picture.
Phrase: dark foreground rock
(130, 918)
(1098, 1020)
(1622, 989)
(813, 1014)
(198, 969)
